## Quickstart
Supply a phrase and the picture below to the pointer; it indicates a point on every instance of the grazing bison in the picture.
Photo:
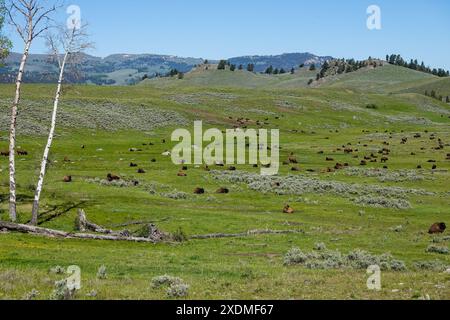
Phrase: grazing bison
(437, 228)
(110, 177)
(67, 179)
(434, 167)
(363, 163)
(295, 169)
(141, 171)
(339, 166)
(22, 153)
(329, 159)
(232, 168)
(384, 160)
(133, 165)
(199, 191)
(293, 160)
(4, 153)
(223, 191)
(182, 174)
(66, 159)
(287, 209)
(184, 168)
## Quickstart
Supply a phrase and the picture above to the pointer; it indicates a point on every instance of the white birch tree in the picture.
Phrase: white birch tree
(67, 46)
(30, 18)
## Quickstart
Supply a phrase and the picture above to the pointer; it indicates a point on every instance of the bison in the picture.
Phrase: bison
(22, 153)
(111, 177)
(199, 191)
(287, 209)
(67, 179)
(223, 191)
(437, 228)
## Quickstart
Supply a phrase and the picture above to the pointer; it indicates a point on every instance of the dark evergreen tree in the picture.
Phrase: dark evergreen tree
(222, 65)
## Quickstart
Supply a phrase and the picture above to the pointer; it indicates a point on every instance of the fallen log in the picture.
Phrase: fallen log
(23, 228)
(137, 223)
(83, 224)
(243, 234)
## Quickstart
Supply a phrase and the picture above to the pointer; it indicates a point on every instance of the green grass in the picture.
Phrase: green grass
(236, 268)
(382, 79)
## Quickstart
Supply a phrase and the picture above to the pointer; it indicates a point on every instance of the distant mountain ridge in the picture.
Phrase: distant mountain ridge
(284, 61)
(123, 69)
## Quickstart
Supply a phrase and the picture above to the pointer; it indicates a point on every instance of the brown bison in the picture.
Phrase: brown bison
(110, 177)
(437, 228)
(133, 165)
(287, 209)
(22, 153)
(141, 171)
(223, 191)
(4, 153)
(199, 191)
(67, 179)
(182, 174)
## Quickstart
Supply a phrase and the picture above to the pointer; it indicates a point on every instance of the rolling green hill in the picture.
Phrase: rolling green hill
(440, 85)
(352, 208)
(387, 78)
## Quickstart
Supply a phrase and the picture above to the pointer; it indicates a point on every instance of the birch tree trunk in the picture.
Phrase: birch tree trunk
(12, 135)
(37, 196)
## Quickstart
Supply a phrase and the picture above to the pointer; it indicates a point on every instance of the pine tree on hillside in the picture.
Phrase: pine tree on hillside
(269, 70)
(312, 67)
(250, 67)
(222, 65)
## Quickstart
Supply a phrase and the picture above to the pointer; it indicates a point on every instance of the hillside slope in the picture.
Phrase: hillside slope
(387, 78)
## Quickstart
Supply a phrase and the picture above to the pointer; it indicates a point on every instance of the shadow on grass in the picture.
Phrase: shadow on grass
(57, 211)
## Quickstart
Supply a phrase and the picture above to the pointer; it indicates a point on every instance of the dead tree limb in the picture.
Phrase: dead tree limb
(137, 223)
(22, 228)
(243, 234)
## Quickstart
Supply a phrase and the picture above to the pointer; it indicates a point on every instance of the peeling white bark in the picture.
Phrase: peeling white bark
(37, 196)
(12, 135)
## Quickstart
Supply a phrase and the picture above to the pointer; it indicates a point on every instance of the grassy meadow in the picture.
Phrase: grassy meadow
(371, 208)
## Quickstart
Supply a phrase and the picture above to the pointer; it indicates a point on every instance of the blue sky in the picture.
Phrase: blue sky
(224, 29)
